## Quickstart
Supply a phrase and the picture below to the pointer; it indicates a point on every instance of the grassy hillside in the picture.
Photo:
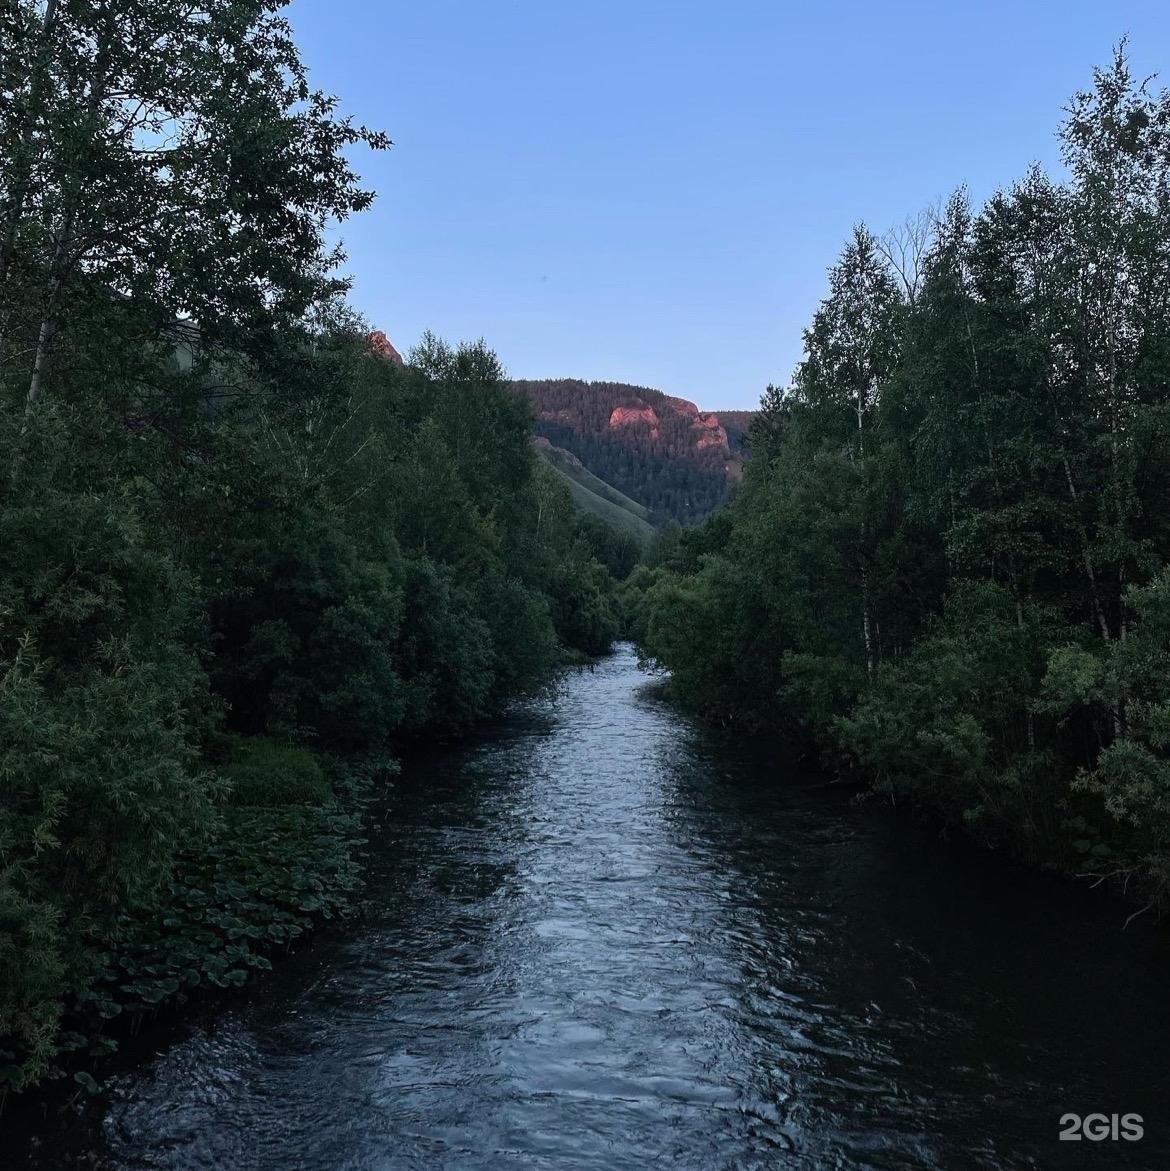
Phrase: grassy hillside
(596, 496)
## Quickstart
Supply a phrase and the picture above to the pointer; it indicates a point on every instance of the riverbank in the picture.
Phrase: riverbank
(282, 855)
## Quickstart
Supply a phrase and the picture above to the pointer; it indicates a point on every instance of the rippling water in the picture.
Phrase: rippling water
(604, 937)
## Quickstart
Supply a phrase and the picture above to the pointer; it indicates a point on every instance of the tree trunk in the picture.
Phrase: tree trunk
(71, 204)
(48, 320)
(866, 623)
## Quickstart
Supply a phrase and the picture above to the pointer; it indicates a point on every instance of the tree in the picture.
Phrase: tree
(169, 162)
(850, 351)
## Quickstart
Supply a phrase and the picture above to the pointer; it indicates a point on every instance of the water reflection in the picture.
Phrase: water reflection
(605, 937)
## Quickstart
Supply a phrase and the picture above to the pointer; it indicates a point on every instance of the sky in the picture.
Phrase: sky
(652, 192)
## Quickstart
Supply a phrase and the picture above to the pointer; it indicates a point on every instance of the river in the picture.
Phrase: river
(600, 935)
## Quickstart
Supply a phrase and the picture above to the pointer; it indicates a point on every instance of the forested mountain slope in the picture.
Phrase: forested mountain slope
(661, 451)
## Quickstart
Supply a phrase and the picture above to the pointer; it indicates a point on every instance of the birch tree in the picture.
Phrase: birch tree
(168, 161)
(850, 350)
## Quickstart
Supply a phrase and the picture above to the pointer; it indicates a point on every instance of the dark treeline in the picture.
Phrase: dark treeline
(660, 464)
(947, 565)
(233, 540)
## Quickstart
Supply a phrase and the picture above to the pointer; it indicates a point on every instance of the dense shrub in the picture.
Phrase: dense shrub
(263, 772)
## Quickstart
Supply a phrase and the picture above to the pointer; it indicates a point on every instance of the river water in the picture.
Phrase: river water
(603, 936)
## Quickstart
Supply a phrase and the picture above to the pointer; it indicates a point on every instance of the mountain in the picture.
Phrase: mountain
(662, 452)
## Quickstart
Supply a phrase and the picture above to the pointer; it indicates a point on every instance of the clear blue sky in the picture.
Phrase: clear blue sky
(651, 192)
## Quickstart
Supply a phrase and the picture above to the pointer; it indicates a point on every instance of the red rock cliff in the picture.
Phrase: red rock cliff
(382, 346)
(625, 416)
(714, 434)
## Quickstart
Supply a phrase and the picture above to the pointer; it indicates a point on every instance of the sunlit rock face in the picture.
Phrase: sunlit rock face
(627, 416)
(709, 433)
(712, 434)
(382, 346)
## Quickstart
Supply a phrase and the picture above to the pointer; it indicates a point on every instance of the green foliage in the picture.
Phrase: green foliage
(1131, 775)
(101, 700)
(585, 613)
(349, 562)
(446, 650)
(306, 633)
(946, 568)
(523, 638)
(265, 880)
(253, 887)
(952, 724)
(617, 549)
